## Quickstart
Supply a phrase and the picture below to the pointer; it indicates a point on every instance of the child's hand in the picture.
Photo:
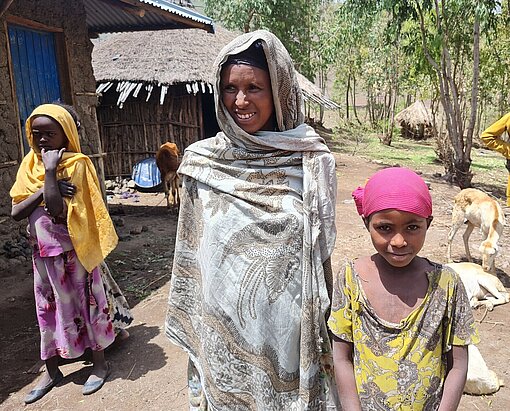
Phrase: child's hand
(66, 188)
(51, 158)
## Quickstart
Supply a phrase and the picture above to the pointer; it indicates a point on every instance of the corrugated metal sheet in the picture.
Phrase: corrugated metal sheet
(180, 10)
(115, 16)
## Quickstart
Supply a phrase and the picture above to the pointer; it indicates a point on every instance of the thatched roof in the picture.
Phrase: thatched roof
(414, 115)
(159, 59)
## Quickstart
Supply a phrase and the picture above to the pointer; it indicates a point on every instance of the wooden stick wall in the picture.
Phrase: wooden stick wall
(136, 131)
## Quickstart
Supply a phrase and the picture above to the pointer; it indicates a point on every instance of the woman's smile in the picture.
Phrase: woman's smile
(244, 116)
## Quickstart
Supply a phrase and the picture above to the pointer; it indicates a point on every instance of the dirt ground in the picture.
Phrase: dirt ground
(148, 372)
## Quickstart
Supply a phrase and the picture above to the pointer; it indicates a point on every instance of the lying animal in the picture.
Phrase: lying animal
(167, 160)
(482, 288)
(477, 209)
(480, 380)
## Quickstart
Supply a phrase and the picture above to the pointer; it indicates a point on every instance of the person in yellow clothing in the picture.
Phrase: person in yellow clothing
(71, 234)
(401, 323)
(491, 137)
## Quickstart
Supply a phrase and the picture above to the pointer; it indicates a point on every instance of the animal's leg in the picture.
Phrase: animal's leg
(172, 192)
(494, 295)
(491, 301)
(177, 196)
(457, 221)
(172, 188)
(473, 302)
(167, 191)
(488, 303)
(465, 236)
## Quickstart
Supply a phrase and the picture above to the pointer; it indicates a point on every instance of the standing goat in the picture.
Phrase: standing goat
(477, 209)
(167, 160)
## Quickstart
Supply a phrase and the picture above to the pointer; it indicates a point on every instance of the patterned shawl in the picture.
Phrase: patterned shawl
(248, 294)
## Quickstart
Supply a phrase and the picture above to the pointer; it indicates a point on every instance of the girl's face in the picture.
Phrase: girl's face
(398, 236)
(48, 134)
(247, 95)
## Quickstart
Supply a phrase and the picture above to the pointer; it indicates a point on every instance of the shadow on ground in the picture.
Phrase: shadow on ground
(140, 264)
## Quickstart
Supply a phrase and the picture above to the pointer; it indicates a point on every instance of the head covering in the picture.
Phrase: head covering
(65, 120)
(394, 188)
(252, 56)
(287, 96)
(90, 227)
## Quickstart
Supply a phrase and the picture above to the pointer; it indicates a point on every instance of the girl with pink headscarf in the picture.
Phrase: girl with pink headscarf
(401, 323)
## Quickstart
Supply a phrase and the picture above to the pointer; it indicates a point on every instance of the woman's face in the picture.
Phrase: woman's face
(48, 134)
(247, 95)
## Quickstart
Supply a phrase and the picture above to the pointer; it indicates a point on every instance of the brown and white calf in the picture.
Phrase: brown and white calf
(167, 160)
(477, 209)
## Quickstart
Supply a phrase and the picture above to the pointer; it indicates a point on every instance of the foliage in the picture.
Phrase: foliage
(415, 154)
(443, 37)
(452, 53)
(295, 22)
(494, 63)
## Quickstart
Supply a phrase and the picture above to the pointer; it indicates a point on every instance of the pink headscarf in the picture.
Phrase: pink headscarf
(394, 188)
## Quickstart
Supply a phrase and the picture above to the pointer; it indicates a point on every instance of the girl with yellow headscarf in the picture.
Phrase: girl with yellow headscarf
(71, 233)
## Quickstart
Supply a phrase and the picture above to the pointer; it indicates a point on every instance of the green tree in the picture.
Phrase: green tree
(295, 22)
(450, 32)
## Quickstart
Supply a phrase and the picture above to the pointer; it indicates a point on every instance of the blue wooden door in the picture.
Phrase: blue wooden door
(36, 75)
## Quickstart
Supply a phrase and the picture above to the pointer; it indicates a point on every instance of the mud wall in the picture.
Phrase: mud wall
(68, 16)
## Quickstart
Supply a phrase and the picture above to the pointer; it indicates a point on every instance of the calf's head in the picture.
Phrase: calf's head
(489, 252)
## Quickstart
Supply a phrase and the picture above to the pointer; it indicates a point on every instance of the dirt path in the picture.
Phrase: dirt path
(149, 372)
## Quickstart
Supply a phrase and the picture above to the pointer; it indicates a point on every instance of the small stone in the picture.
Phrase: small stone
(136, 230)
(118, 221)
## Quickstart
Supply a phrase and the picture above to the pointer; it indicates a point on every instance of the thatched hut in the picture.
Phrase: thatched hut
(156, 87)
(415, 121)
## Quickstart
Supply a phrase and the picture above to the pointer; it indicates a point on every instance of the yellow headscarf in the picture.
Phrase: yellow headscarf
(90, 226)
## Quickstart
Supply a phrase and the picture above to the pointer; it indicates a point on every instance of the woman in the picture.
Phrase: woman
(256, 230)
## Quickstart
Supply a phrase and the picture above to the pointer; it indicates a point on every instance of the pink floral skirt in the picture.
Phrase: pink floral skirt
(71, 305)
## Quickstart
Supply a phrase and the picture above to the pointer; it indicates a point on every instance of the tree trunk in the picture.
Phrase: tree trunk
(322, 84)
(354, 109)
(392, 101)
(474, 90)
(369, 107)
(450, 99)
(347, 97)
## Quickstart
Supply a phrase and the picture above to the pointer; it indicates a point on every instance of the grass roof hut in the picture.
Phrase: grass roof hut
(157, 87)
(415, 121)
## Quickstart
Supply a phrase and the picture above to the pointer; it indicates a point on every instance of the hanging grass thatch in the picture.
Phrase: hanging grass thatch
(156, 86)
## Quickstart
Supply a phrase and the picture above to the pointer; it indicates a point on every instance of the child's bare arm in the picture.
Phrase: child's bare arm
(26, 207)
(457, 366)
(344, 375)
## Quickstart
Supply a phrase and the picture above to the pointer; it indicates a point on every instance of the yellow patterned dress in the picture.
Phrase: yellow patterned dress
(402, 366)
